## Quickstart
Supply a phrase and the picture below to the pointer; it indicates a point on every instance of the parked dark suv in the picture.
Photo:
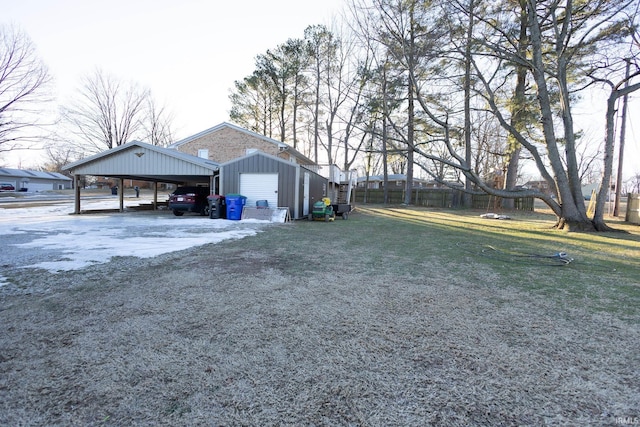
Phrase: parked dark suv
(189, 199)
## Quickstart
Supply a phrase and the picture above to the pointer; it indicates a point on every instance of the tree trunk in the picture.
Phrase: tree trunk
(571, 216)
(601, 198)
(518, 113)
(468, 201)
(410, 149)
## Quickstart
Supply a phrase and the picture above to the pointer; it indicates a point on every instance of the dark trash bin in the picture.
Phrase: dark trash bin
(217, 206)
(114, 191)
(235, 203)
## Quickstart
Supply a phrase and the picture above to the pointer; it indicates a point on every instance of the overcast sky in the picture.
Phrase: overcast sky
(190, 52)
(187, 52)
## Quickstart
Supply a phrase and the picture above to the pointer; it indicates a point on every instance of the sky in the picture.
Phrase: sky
(188, 52)
(48, 237)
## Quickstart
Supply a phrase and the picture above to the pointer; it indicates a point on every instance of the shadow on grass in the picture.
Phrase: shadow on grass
(604, 272)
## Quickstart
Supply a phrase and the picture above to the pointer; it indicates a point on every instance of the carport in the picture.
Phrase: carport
(145, 162)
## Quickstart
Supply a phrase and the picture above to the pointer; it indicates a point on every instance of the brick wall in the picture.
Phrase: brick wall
(228, 144)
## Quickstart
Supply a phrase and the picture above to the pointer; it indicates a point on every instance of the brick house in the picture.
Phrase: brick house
(226, 158)
(226, 142)
(258, 167)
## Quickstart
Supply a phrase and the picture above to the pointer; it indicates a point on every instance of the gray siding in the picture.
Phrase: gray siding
(290, 180)
(140, 161)
(35, 180)
(317, 188)
(262, 164)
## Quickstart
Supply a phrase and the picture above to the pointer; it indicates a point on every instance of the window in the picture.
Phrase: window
(203, 153)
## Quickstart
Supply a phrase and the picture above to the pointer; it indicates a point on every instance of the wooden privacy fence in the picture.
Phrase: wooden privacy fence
(438, 198)
(633, 209)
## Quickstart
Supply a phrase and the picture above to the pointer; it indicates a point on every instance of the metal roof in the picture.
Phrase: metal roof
(139, 160)
(25, 173)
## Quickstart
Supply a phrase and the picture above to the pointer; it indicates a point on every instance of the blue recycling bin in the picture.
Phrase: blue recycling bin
(235, 202)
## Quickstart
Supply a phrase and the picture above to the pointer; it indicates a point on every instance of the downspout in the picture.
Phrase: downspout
(296, 191)
(221, 182)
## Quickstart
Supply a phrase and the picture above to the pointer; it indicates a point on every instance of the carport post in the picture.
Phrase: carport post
(76, 187)
(121, 193)
(155, 195)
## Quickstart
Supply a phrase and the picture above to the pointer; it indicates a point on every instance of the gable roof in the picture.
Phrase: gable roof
(26, 173)
(223, 125)
(260, 154)
(141, 160)
(391, 177)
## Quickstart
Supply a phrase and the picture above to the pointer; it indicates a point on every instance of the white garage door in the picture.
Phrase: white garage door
(259, 186)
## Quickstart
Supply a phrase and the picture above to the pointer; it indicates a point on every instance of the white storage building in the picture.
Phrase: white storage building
(35, 181)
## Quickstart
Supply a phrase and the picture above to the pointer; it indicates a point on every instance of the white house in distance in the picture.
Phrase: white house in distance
(35, 181)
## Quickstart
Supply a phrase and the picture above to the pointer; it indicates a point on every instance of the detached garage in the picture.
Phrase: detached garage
(260, 176)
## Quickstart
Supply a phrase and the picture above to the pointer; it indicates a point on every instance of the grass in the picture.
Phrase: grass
(397, 316)
(603, 276)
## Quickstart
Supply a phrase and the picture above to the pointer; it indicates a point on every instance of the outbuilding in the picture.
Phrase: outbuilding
(259, 176)
(34, 181)
(229, 160)
(141, 161)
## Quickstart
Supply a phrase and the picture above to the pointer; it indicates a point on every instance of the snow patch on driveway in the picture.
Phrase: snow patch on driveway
(57, 241)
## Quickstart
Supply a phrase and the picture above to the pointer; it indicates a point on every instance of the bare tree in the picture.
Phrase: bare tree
(633, 184)
(57, 157)
(157, 124)
(107, 113)
(617, 91)
(321, 46)
(562, 37)
(401, 29)
(23, 88)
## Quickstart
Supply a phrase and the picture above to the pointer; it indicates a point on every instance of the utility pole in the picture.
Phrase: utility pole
(623, 126)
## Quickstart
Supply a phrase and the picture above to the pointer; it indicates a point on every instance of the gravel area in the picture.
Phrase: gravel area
(234, 335)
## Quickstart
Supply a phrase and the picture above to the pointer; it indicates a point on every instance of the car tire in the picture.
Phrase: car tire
(177, 212)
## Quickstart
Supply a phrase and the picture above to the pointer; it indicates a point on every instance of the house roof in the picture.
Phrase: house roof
(392, 177)
(261, 154)
(26, 173)
(138, 159)
(223, 125)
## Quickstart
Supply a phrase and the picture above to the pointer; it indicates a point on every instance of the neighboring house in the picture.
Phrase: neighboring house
(398, 181)
(589, 189)
(35, 181)
(541, 186)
